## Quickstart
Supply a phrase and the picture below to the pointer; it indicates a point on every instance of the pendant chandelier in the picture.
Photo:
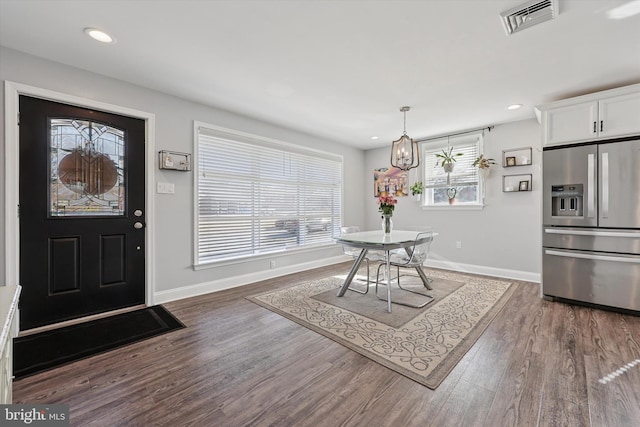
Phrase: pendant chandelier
(404, 151)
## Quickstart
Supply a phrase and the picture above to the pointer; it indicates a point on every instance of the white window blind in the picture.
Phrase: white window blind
(464, 177)
(257, 196)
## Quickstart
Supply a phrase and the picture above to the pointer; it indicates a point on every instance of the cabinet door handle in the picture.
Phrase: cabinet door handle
(595, 127)
(601, 125)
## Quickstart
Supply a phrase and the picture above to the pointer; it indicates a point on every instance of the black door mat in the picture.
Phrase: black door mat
(46, 350)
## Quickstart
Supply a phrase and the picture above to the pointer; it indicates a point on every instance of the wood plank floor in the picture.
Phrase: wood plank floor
(539, 363)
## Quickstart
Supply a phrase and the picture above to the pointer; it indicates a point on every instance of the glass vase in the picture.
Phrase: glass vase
(387, 223)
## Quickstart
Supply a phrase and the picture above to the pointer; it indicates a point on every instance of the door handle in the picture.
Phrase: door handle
(592, 233)
(620, 258)
(138, 225)
(605, 185)
(591, 187)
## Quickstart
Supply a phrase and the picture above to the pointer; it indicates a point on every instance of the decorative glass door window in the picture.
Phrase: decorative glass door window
(87, 168)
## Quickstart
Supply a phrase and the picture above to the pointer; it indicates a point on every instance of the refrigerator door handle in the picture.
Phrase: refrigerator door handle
(605, 185)
(593, 257)
(592, 233)
(591, 178)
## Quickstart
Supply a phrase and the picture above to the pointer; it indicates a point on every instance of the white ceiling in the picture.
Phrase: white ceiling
(340, 69)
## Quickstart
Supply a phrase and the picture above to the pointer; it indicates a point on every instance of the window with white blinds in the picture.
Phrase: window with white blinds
(464, 178)
(257, 196)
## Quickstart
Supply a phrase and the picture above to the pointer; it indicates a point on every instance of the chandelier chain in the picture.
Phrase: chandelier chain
(405, 122)
(404, 112)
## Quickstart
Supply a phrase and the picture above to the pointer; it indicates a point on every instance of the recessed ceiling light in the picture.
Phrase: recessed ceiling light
(514, 106)
(99, 35)
(374, 137)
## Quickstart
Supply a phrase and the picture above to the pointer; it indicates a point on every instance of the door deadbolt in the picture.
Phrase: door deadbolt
(137, 212)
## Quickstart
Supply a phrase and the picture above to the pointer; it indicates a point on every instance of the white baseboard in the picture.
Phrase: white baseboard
(233, 282)
(486, 271)
(245, 279)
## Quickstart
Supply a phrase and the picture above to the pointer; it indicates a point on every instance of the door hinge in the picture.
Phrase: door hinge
(18, 211)
(18, 118)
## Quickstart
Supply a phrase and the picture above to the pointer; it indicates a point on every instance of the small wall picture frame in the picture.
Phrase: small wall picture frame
(172, 160)
(524, 186)
(511, 161)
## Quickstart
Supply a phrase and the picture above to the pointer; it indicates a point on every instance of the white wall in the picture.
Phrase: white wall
(174, 131)
(504, 238)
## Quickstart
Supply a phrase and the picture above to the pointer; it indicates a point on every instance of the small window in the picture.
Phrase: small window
(257, 196)
(461, 186)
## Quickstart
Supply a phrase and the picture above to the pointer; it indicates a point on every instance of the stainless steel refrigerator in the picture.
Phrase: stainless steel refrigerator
(591, 223)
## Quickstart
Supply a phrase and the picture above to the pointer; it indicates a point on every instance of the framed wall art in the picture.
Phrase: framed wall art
(390, 182)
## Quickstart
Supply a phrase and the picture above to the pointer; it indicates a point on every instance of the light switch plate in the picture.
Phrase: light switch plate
(166, 188)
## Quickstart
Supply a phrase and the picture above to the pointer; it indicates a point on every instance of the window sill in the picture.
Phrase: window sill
(453, 208)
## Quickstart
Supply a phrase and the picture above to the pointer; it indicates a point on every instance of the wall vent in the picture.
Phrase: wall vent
(528, 14)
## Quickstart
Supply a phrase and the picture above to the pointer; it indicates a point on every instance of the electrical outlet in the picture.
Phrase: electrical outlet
(272, 264)
(458, 245)
(166, 188)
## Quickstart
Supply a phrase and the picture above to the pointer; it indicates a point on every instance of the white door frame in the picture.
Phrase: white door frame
(12, 92)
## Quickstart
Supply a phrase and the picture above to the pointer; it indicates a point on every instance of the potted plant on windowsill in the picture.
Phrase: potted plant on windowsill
(451, 194)
(446, 159)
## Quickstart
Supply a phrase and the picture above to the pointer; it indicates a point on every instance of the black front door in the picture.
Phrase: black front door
(82, 175)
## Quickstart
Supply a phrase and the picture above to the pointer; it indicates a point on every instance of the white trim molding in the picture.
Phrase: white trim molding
(485, 271)
(198, 289)
(12, 92)
(242, 280)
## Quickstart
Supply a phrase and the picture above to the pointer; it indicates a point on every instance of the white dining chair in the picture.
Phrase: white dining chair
(411, 258)
(372, 256)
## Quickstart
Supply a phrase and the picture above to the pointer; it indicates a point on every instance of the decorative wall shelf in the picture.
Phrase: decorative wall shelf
(513, 183)
(172, 160)
(516, 157)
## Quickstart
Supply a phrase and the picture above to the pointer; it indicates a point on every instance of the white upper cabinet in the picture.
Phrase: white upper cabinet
(619, 115)
(602, 115)
(571, 123)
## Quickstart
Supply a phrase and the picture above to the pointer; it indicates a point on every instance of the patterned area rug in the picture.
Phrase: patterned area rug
(423, 344)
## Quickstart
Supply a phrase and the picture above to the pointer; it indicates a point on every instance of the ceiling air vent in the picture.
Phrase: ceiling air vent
(528, 14)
